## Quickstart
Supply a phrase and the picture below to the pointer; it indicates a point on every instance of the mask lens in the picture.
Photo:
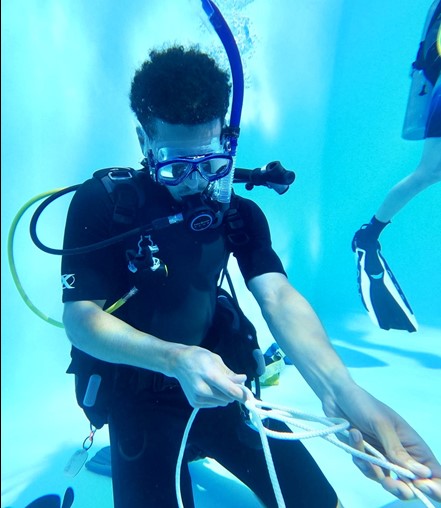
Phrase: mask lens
(216, 167)
(173, 171)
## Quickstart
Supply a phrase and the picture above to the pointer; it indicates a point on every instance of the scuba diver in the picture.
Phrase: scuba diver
(381, 294)
(172, 342)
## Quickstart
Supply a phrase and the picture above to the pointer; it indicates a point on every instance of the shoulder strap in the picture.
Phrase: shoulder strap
(125, 189)
(235, 225)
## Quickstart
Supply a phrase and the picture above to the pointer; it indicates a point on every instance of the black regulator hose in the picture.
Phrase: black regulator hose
(272, 175)
(75, 250)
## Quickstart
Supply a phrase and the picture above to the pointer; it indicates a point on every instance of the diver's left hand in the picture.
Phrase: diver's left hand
(389, 433)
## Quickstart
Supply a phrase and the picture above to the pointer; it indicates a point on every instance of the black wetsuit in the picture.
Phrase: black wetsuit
(149, 411)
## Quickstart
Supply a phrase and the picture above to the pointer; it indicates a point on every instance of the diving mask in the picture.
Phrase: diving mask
(211, 167)
(170, 166)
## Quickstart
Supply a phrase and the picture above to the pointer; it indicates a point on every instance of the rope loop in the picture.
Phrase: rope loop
(316, 426)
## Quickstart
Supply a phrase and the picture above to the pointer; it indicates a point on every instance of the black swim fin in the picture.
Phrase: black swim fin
(53, 500)
(100, 463)
(48, 501)
(68, 498)
(380, 292)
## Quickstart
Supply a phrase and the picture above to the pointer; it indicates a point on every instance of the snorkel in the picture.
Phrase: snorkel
(231, 133)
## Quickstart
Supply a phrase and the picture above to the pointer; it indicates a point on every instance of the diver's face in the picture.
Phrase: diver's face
(171, 141)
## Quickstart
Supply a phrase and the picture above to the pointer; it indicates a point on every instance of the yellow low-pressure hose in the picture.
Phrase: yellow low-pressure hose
(11, 261)
(13, 268)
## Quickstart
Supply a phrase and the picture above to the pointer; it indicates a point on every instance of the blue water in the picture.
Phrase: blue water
(326, 90)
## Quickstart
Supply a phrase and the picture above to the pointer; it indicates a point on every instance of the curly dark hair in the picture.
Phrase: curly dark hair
(179, 86)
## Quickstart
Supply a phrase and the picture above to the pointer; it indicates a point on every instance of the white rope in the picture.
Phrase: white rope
(180, 457)
(260, 411)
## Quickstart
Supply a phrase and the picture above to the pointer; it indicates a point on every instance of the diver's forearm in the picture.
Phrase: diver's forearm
(299, 332)
(107, 338)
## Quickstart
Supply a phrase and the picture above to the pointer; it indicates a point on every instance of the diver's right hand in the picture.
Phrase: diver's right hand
(205, 379)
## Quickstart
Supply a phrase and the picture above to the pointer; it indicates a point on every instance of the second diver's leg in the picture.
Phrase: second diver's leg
(426, 174)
